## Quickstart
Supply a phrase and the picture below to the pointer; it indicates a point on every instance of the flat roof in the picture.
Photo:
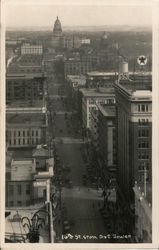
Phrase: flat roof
(98, 73)
(25, 104)
(26, 119)
(135, 89)
(24, 75)
(104, 73)
(21, 153)
(98, 92)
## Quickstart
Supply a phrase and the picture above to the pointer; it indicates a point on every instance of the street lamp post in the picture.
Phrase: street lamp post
(34, 224)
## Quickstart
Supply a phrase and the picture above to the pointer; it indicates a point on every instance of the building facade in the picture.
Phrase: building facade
(100, 79)
(77, 67)
(90, 99)
(20, 185)
(26, 130)
(107, 144)
(24, 87)
(28, 49)
(134, 135)
(28, 184)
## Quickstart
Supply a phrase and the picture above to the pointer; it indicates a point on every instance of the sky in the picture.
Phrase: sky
(27, 13)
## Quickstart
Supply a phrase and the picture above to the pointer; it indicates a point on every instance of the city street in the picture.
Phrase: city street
(81, 203)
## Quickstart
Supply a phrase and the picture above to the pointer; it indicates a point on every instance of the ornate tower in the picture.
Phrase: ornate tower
(57, 38)
(57, 30)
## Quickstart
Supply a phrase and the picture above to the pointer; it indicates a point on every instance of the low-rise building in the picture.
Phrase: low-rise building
(74, 66)
(20, 185)
(28, 179)
(26, 130)
(100, 79)
(25, 64)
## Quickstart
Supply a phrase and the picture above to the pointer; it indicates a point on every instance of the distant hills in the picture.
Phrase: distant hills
(85, 28)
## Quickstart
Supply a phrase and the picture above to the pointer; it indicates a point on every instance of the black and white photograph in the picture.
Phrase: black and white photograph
(78, 122)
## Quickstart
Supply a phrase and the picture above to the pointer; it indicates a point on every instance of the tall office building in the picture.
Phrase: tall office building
(134, 135)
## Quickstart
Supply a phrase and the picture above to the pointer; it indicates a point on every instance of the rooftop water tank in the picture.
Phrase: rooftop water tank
(123, 67)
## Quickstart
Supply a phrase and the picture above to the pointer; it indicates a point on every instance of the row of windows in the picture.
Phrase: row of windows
(26, 70)
(18, 189)
(26, 83)
(143, 145)
(104, 101)
(143, 155)
(143, 133)
(23, 133)
(141, 178)
(24, 141)
(143, 122)
(26, 95)
(143, 165)
(19, 203)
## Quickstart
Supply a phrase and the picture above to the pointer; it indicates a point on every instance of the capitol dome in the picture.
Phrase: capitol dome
(57, 30)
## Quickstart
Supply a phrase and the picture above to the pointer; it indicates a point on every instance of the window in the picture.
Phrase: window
(27, 202)
(19, 203)
(18, 133)
(19, 189)
(11, 203)
(11, 189)
(143, 121)
(24, 133)
(142, 107)
(28, 189)
(32, 132)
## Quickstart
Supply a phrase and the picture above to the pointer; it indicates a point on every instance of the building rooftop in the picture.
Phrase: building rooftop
(97, 92)
(136, 74)
(140, 93)
(26, 119)
(19, 153)
(75, 77)
(135, 89)
(40, 152)
(99, 73)
(24, 75)
(107, 109)
(25, 104)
